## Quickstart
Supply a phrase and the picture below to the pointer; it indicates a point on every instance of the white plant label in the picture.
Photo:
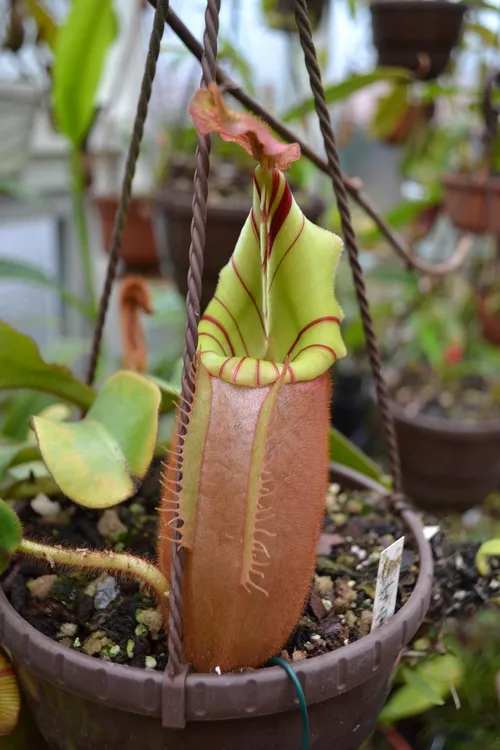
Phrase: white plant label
(386, 590)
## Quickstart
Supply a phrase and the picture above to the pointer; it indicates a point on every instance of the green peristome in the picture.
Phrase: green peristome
(10, 534)
(21, 366)
(99, 461)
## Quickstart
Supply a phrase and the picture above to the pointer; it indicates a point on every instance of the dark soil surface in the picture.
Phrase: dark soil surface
(116, 619)
(471, 399)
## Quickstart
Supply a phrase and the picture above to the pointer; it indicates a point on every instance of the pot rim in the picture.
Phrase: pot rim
(425, 5)
(253, 693)
(448, 427)
(470, 180)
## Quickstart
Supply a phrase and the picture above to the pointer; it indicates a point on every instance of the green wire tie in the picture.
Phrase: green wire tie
(300, 695)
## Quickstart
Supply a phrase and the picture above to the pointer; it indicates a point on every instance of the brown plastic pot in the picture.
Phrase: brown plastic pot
(224, 224)
(138, 250)
(416, 34)
(472, 202)
(490, 322)
(87, 704)
(448, 464)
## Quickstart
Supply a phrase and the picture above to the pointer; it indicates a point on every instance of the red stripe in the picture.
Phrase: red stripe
(276, 368)
(287, 251)
(237, 369)
(234, 321)
(279, 218)
(247, 290)
(322, 346)
(327, 319)
(257, 371)
(221, 328)
(254, 225)
(222, 366)
(292, 374)
(203, 333)
(274, 189)
(256, 184)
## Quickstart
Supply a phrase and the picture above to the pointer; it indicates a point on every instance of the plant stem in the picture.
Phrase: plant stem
(81, 226)
(101, 560)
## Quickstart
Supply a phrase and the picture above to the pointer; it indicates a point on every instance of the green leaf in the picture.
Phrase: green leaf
(10, 534)
(424, 688)
(342, 451)
(490, 548)
(46, 25)
(486, 35)
(169, 393)
(11, 269)
(21, 366)
(339, 91)
(97, 462)
(8, 453)
(438, 673)
(80, 52)
(391, 108)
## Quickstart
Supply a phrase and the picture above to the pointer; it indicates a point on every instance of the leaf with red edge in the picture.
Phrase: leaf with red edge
(211, 114)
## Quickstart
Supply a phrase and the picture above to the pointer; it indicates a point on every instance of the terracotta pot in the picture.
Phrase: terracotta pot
(490, 322)
(473, 202)
(224, 224)
(138, 250)
(280, 14)
(87, 704)
(448, 464)
(416, 34)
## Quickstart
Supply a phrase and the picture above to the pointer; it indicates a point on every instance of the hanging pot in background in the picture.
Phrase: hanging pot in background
(138, 250)
(447, 464)
(280, 14)
(488, 305)
(416, 34)
(472, 202)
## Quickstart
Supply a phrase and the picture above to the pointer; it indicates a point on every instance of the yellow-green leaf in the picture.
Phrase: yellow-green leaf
(98, 461)
(169, 393)
(489, 549)
(47, 27)
(274, 306)
(81, 48)
(21, 366)
(343, 452)
(337, 92)
(10, 537)
(10, 698)
(438, 673)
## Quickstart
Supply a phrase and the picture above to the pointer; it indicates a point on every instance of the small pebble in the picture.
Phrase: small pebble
(298, 655)
(327, 604)
(110, 526)
(218, 671)
(150, 662)
(41, 587)
(152, 619)
(107, 591)
(68, 629)
(44, 506)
